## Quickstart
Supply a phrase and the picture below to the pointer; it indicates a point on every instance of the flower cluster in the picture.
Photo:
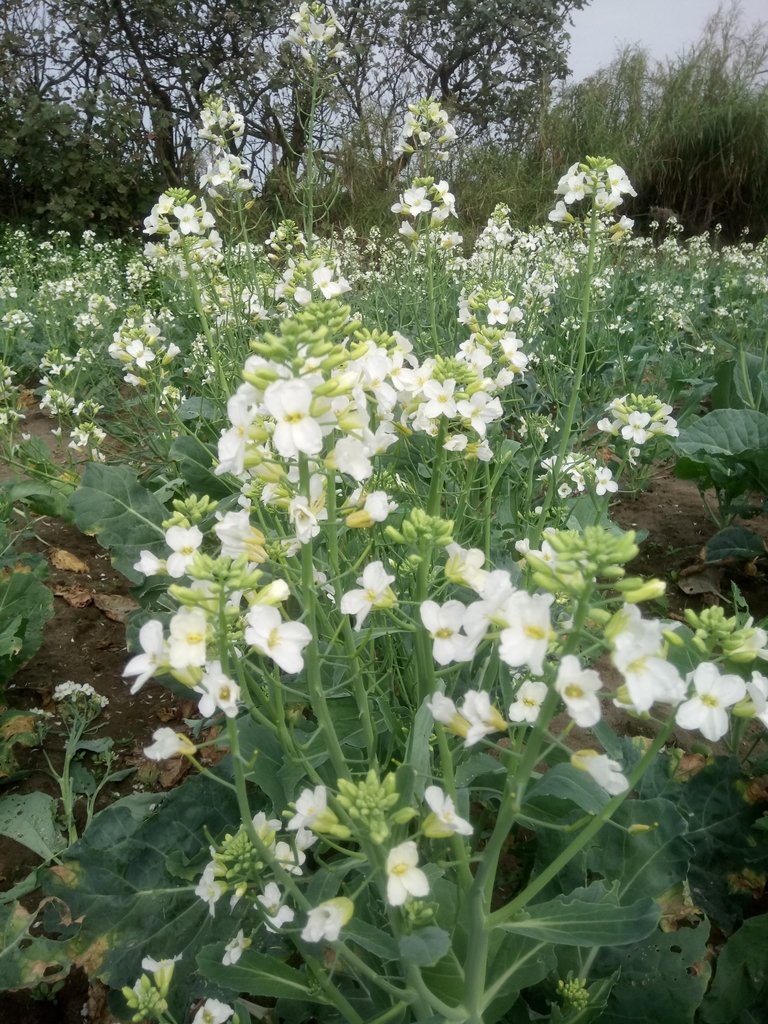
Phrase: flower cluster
(187, 229)
(426, 129)
(140, 348)
(425, 207)
(314, 32)
(638, 419)
(604, 182)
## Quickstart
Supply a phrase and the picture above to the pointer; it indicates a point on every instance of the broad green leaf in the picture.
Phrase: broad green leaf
(663, 979)
(735, 544)
(741, 974)
(122, 879)
(111, 504)
(25, 959)
(425, 946)
(26, 605)
(375, 940)
(515, 963)
(648, 853)
(30, 820)
(568, 783)
(590, 916)
(726, 432)
(258, 975)
(720, 821)
(195, 461)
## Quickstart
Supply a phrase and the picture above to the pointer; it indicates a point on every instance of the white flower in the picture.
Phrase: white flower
(443, 821)
(648, 677)
(213, 1012)
(277, 915)
(184, 542)
(239, 537)
(168, 743)
(440, 398)
(234, 949)
(219, 691)
(404, 879)
(525, 639)
(528, 701)
(309, 806)
(186, 643)
(606, 773)
(444, 624)
(281, 641)
(376, 593)
(149, 564)
(326, 921)
(208, 889)
(482, 716)
(289, 402)
(154, 654)
(758, 692)
(707, 709)
(290, 860)
(579, 688)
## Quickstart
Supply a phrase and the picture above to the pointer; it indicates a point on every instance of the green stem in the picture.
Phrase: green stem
(355, 668)
(556, 866)
(570, 412)
(312, 655)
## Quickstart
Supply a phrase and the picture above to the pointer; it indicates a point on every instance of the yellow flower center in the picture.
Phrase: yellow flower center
(709, 700)
(535, 632)
(573, 690)
(443, 633)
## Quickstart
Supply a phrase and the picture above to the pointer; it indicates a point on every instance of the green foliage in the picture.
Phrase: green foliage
(112, 505)
(662, 979)
(26, 604)
(741, 981)
(727, 449)
(129, 878)
(29, 819)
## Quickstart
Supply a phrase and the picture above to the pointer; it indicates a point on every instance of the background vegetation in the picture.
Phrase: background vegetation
(98, 100)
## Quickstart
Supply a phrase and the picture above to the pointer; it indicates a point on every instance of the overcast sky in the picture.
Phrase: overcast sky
(665, 27)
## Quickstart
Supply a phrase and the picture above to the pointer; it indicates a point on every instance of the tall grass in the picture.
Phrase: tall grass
(692, 132)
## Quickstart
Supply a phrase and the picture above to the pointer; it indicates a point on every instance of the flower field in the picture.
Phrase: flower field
(460, 742)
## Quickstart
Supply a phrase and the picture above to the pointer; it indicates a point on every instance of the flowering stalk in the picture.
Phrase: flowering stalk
(581, 358)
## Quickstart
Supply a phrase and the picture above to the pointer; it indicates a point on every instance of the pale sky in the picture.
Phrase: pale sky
(664, 27)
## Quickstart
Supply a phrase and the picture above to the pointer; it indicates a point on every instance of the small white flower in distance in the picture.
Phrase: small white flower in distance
(606, 773)
(404, 878)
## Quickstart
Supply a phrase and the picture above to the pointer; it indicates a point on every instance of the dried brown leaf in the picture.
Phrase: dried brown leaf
(76, 597)
(116, 607)
(61, 559)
